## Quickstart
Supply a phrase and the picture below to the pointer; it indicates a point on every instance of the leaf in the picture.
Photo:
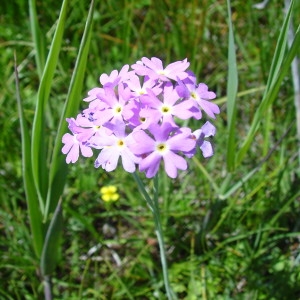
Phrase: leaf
(51, 250)
(38, 143)
(279, 68)
(35, 216)
(232, 86)
(38, 38)
(58, 167)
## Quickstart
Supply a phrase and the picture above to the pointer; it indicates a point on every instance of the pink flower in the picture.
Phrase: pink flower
(201, 95)
(207, 130)
(137, 116)
(199, 135)
(72, 146)
(171, 105)
(153, 68)
(165, 145)
(139, 89)
(113, 147)
(116, 77)
(93, 94)
(115, 105)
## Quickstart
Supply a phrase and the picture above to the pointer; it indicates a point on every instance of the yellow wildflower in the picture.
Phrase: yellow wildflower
(109, 193)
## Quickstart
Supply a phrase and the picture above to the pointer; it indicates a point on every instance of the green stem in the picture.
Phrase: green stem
(159, 233)
(48, 288)
(154, 206)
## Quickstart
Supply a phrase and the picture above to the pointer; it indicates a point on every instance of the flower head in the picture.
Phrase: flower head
(136, 118)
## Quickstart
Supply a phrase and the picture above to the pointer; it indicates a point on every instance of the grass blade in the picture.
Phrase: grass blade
(206, 174)
(247, 176)
(51, 249)
(39, 153)
(35, 216)
(58, 167)
(38, 38)
(277, 73)
(232, 86)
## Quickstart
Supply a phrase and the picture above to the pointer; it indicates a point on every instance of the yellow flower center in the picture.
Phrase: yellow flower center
(120, 143)
(165, 109)
(118, 109)
(161, 148)
(194, 95)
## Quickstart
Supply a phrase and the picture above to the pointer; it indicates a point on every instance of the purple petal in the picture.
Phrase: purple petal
(210, 108)
(154, 63)
(172, 163)
(181, 142)
(86, 151)
(207, 149)
(107, 159)
(73, 154)
(144, 144)
(128, 161)
(208, 129)
(150, 164)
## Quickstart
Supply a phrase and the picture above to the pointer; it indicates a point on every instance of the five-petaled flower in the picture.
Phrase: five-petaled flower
(165, 145)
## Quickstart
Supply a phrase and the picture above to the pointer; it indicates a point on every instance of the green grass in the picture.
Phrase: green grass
(231, 222)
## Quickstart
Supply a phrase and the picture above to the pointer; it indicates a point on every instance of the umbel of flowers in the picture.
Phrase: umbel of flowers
(137, 116)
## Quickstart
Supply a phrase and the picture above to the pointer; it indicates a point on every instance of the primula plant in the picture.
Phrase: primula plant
(139, 116)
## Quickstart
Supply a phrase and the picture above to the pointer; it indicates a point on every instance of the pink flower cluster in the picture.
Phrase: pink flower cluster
(138, 115)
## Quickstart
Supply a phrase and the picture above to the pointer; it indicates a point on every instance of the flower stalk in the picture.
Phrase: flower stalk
(154, 207)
